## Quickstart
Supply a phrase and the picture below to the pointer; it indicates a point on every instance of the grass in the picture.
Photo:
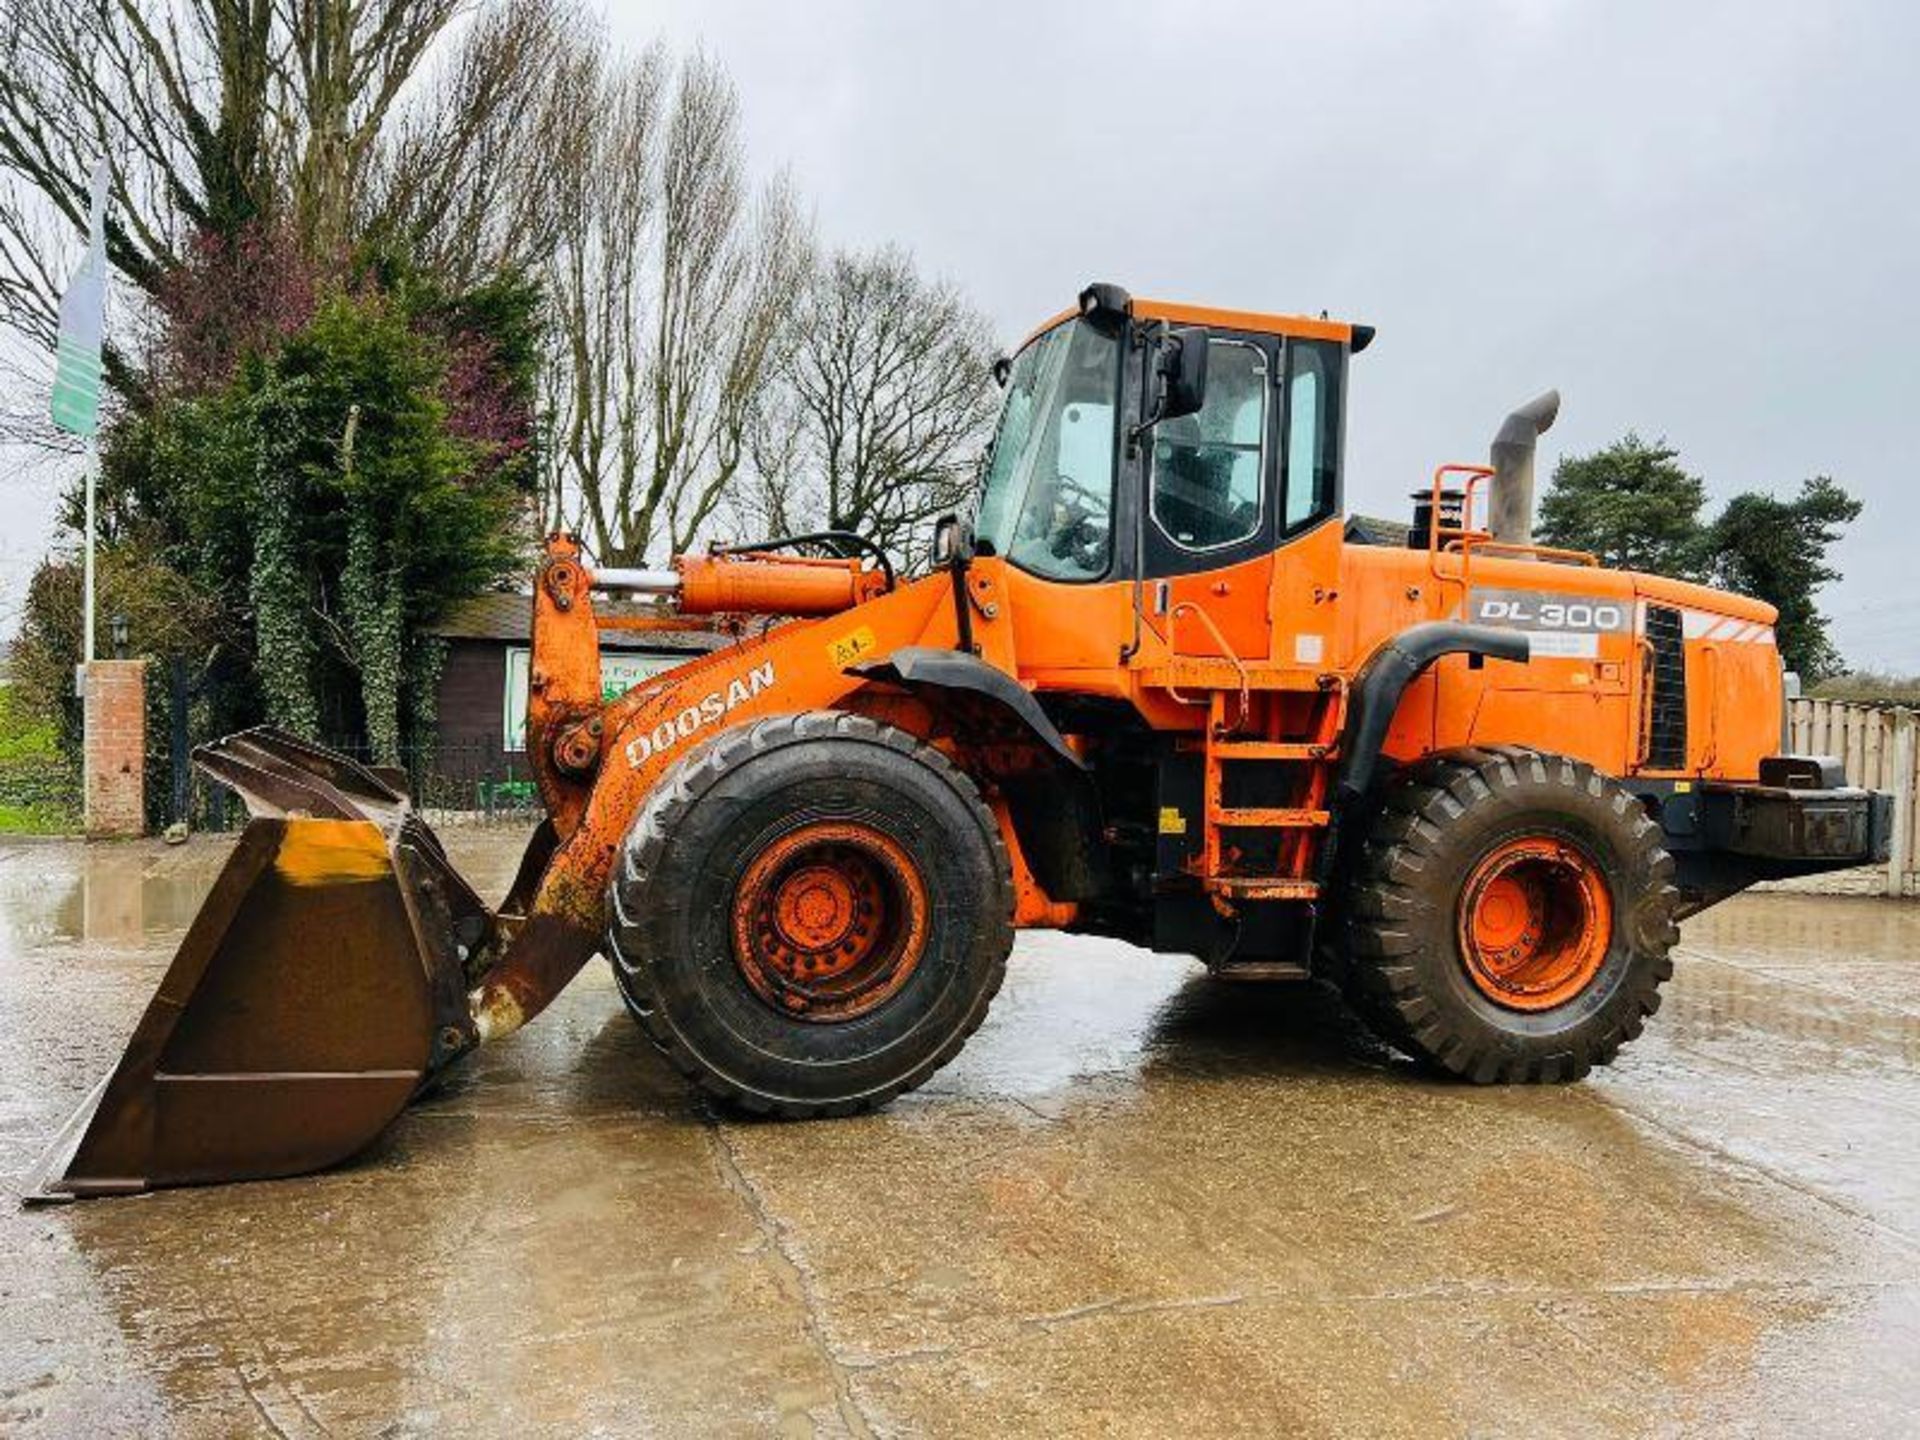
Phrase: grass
(38, 795)
(1870, 687)
(37, 820)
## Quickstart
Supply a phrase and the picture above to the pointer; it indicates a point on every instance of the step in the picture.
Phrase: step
(1201, 672)
(1274, 750)
(1262, 970)
(1271, 819)
(1257, 887)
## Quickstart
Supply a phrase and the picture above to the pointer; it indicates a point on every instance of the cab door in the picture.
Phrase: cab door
(1304, 601)
(1211, 515)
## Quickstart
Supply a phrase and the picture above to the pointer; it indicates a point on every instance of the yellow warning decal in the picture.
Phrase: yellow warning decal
(331, 852)
(1172, 822)
(850, 647)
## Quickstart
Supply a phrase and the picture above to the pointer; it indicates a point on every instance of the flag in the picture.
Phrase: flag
(83, 323)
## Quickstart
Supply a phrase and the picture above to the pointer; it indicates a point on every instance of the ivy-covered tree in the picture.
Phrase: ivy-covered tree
(430, 124)
(1776, 550)
(1631, 504)
(357, 470)
(369, 513)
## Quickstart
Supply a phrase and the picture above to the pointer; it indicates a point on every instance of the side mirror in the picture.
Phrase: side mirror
(1182, 369)
(952, 542)
(1179, 378)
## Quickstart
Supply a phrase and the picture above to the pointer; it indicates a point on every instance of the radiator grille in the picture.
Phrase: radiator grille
(1667, 716)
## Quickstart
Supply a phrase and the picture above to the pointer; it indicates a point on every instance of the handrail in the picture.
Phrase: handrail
(1226, 650)
(1710, 668)
(1474, 474)
(1484, 543)
(1465, 540)
(1643, 737)
(1476, 543)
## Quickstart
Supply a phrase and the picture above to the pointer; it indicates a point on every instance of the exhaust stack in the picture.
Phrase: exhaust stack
(1511, 512)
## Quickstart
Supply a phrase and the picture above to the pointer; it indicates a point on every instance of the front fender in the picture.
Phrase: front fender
(918, 667)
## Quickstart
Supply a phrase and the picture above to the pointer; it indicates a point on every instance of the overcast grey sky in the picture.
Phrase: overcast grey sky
(1700, 221)
(1697, 220)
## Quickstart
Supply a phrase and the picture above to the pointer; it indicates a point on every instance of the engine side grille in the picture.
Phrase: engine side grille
(1667, 720)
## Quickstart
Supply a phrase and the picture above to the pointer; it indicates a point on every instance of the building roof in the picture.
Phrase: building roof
(1372, 530)
(508, 618)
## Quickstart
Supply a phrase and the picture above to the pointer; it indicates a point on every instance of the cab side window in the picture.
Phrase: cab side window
(1207, 490)
(1313, 431)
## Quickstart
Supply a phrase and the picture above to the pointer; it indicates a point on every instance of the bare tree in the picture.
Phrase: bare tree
(888, 400)
(176, 99)
(339, 67)
(671, 286)
(471, 174)
(216, 114)
(596, 288)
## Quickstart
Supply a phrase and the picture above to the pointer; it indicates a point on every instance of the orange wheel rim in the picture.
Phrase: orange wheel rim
(829, 921)
(1536, 922)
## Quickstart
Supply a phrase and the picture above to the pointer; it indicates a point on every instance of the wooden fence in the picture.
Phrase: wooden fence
(1878, 747)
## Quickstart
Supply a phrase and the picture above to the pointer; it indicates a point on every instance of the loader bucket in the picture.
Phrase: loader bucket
(322, 981)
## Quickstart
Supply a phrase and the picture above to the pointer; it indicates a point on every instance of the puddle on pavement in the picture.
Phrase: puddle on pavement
(1781, 929)
(1134, 1187)
(119, 894)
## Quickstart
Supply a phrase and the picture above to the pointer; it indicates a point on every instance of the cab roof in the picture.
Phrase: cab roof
(1174, 312)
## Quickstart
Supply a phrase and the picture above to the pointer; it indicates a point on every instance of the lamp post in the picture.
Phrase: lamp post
(118, 626)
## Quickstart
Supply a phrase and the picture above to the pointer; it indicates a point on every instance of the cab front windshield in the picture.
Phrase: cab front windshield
(1047, 501)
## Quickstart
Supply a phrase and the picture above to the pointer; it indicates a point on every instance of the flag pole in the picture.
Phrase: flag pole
(75, 402)
(86, 603)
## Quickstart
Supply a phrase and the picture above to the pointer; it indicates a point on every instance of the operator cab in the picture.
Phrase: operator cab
(1139, 439)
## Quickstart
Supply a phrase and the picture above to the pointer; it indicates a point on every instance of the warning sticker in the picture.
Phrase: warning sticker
(850, 647)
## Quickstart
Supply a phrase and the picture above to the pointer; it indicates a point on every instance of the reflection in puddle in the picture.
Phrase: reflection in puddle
(1139, 1200)
(111, 893)
(122, 893)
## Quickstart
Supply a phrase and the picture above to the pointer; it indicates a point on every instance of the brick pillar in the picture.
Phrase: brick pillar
(116, 748)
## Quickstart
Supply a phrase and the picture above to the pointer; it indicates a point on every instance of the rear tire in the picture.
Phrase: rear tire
(811, 914)
(1510, 916)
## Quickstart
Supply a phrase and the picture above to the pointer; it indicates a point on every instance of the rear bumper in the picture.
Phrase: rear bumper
(1798, 819)
(1823, 829)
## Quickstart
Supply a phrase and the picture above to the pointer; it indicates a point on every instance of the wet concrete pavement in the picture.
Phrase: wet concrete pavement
(1139, 1202)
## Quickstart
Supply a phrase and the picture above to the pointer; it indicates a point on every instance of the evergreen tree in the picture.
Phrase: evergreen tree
(1776, 550)
(1635, 507)
(1631, 504)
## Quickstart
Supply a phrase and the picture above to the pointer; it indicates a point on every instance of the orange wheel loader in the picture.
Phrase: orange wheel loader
(1151, 691)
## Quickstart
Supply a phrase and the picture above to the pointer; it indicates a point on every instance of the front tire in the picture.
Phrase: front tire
(1510, 916)
(812, 914)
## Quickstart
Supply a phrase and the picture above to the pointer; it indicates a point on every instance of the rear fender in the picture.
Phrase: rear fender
(1384, 679)
(1377, 692)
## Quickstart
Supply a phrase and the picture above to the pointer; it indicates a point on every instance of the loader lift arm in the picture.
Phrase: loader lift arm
(261, 1057)
(574, 738)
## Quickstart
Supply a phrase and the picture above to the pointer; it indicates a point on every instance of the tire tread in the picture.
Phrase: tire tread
(1391, 893)
(652, 830)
